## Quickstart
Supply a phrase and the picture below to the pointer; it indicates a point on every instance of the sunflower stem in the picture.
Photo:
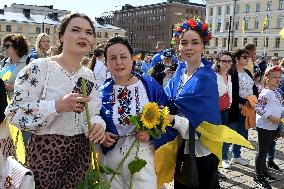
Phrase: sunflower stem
(123, 160)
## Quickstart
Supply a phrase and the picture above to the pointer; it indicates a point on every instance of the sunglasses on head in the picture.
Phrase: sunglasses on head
(7, 45)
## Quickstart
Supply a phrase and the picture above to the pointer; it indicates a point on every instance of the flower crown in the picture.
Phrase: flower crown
(193, 23)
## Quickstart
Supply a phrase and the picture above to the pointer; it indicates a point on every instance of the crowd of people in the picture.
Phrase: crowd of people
(46, 102)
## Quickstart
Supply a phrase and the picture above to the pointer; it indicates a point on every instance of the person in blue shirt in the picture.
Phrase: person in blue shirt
(146, 65)
(157, 57)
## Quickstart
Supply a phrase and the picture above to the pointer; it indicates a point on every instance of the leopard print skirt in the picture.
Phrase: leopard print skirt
(57, 161)
(7, 147)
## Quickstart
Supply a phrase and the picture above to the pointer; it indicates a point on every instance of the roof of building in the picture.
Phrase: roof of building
(20, 17)
(107, 26)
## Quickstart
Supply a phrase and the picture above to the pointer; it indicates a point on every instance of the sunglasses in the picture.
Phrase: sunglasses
(245, 57)
(226, 61)
(274, 59)
(6, 46)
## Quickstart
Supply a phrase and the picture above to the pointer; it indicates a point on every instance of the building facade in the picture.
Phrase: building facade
(247, 20)
(104, 30)
(26, 24)
(146, 25)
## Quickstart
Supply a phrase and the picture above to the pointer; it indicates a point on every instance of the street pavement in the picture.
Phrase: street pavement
(239, 176)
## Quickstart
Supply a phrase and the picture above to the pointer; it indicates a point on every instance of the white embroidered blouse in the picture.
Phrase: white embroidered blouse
(224, 87)
(269, 104)
(37, 87)
(127, 101)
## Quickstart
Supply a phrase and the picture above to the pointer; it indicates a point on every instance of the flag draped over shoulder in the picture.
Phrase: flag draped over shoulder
(6, 72)
(281, 33)
(198, 102)
(264, 27)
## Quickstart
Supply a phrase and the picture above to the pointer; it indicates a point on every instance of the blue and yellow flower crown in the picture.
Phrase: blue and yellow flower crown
(195, 24)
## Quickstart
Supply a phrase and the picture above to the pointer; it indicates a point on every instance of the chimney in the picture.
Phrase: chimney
(27, 13)
(1, 11)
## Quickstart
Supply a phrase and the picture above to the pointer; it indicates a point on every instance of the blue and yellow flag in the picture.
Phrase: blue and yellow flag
(264, 27)
(281, 34)
(6, 72)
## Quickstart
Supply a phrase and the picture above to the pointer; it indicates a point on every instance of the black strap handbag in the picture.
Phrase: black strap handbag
(186, 168)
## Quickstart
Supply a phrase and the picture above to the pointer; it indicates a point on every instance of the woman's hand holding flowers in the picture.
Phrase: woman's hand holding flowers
(72, 102)
(97, 135)
(143, 136)
(109, 140)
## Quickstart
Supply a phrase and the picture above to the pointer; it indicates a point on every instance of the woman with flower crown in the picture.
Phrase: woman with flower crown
(194, 92)
(124, 95)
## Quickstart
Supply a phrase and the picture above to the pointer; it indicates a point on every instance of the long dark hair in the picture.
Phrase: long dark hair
(97, 53)
(64, 23)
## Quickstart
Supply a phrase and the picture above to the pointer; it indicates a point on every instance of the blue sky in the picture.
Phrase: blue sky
(92, 8)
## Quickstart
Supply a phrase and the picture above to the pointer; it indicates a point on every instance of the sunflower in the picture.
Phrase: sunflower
(165, 119)
(150, 115)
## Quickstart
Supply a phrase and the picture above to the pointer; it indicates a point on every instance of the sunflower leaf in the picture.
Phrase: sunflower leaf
(136, 165)
(136, 121)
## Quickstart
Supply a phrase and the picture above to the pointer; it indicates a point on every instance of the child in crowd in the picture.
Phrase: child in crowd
(269, 109)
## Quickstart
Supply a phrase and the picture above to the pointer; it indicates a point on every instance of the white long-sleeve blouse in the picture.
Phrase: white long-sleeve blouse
(37, 87)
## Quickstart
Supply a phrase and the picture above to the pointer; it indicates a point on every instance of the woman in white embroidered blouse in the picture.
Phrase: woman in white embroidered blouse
(48, 101)
(224, 62)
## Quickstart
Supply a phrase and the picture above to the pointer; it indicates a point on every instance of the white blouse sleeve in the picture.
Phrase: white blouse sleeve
(94, 105)
(261, 107)
(27, 110)
(182, 124)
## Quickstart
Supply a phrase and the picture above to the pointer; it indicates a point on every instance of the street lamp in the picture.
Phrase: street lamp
(131, 37)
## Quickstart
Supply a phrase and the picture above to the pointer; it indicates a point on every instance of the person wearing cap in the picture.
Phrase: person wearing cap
(164, 70)
(157, 57)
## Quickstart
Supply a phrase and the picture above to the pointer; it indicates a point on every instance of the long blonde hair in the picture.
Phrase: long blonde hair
(40, 52)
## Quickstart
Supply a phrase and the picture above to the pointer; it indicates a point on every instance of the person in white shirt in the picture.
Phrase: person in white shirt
(224, 62)
(269, 110)
(48, 102)
(98, 66)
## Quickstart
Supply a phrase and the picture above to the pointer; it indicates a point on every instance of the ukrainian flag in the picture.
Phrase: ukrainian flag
(6, 72)
(264, 27)
(243, 25)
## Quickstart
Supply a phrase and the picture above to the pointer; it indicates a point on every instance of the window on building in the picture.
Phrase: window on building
(247, 8)
(276, 54)
(257, 7)
(219, 10)
(216, 42)
(106, 34)
(219, 26)
(266, 42)
(116, 34)
(255, 41)
(211, 11)
(268, 23)
(237, 23)
(237, 9)
(227, 25)
(47, 31)
(0, 41)
(256, 24)
(224, 42)
(269, 6)
(38, 30)
(19, 29)
(228, 10)
(281, 5)
(246, 24)
(0, 28)
(245, 41)
(99, 34)
(8, 28)
(277, 42)
(279, 22)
